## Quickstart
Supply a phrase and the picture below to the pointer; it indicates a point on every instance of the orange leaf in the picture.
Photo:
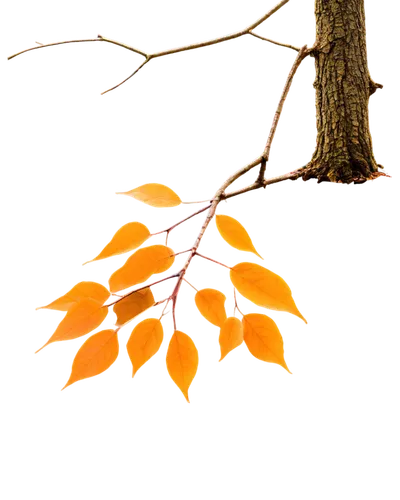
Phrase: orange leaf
(94, 357)
(182, 361)
(263, 287)
(156, 195)
(129, 237)
(231, 336)
(235, 234)
(141, 265)
(81, 319)
(134, 304)
(81, 291)
(263, 339)
(210, 303)
(144, 342)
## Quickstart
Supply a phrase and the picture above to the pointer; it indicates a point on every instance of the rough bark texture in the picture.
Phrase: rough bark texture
(343, 86)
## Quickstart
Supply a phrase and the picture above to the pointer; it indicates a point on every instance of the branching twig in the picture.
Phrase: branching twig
(297, 49)
(149, 57)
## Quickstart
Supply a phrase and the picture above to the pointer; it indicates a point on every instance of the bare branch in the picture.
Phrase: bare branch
(232, 36)
(303, 53)
(137, 69)
(53, 43)
(144, 54)
(291, 46)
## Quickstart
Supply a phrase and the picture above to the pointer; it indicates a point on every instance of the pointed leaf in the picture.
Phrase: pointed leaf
(264, 288)
(81, 319)
(144, 342)
(156, 195)
(127, 238)
(132, 305)
(94, 357)
(263, 339)
(81, 291)
(231, 336)
(182, 361)
(141, 265)
(235, 234)
(210, 303)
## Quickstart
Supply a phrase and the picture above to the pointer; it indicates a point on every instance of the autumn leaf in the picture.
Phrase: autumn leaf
(127, 238)
(80, 319)
(231, 336)
(235, 234)
(156, 195)
(141, 265)
(144, 342)
(263, 339)
(132, 305)
(182, 361)
(264, 288)
(210, 303)
(81, 291)
(94, 357)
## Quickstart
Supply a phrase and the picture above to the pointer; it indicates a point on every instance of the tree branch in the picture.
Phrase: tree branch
(180, 221)
(141, 288)
(303, 53)
(291, 46)
(149, 57)
(137, 69)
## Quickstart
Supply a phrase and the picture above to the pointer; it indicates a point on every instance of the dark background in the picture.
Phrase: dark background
(64, 148)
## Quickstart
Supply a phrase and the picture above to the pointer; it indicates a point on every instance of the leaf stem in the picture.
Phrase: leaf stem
(212, 260)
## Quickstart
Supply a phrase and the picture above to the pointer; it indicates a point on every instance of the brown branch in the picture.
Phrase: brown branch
(137, 69)
(303, 53)
(291, 46)
(141, 288)
(149, 57)
(182, 220)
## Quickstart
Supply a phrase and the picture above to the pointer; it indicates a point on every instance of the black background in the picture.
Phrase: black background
(188, 120)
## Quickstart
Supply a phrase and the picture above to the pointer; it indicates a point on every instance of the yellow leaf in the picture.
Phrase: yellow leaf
(210, 303)
(141, 265)
(263, 287)
(231, 336)
(81, 319)
(129, 237)
(263, 339)
(182, 361)
(94, 357)
(81, 291)
(235, 234)
(144, 342)
(134, 304)
(156, 195)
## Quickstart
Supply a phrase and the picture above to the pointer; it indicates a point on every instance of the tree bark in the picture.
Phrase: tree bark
(343, 85)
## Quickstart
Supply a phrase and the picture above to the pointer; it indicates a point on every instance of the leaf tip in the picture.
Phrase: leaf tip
(43, 346)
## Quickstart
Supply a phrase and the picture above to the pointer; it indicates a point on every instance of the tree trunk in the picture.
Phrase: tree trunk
(343, 86)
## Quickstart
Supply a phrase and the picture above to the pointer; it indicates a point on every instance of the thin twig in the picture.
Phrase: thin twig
(291, 46)
(182, 220)
(142, 288)
(137, 69)
(236, 304)
(198, 201)
(213, 260)
(194, 288)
